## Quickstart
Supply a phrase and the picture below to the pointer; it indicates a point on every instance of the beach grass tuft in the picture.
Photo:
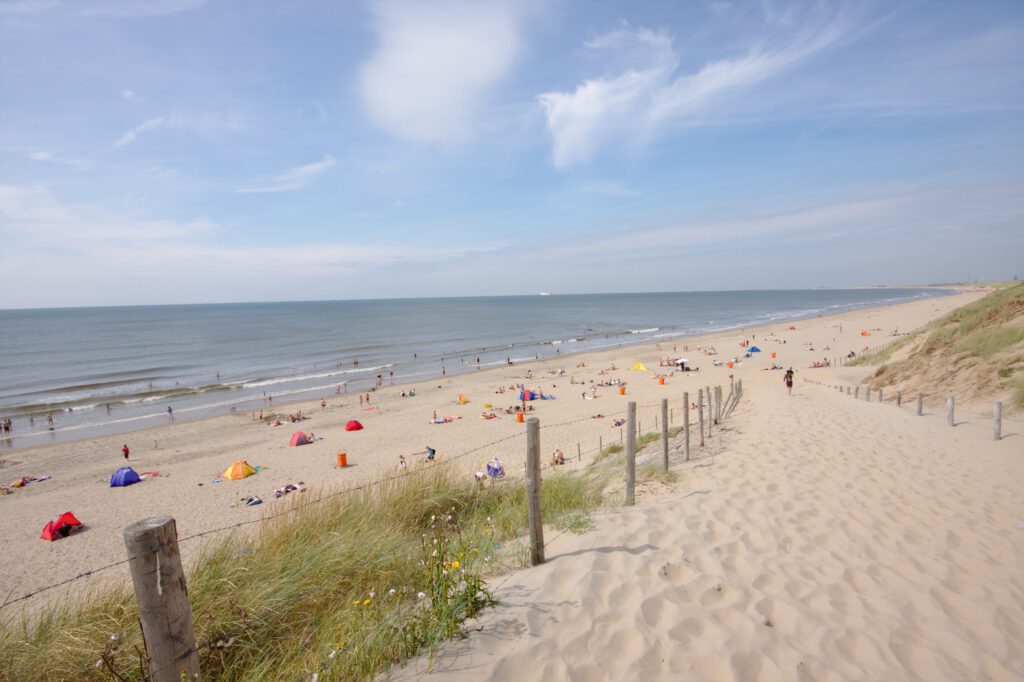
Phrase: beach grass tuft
(343, 588)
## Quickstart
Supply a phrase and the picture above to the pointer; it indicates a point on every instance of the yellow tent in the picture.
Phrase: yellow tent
(463, 399)
(639, 367)
(239, 469)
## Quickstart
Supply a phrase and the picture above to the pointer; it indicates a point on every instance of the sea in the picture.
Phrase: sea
(75, 373)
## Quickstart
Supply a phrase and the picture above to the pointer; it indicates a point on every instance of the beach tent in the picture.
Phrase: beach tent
(754, 349)
(353, 425)
(299, 438)
(60, 527)
(865, 333)
(124, 476)
(463, 399)
(639, 367)
(527, 395)
(239, 469)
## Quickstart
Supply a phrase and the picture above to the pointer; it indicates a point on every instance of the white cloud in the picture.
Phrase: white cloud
(206, 123)
(34, 213)
(642, 99)
(50, 157)
(435, 65)
(128, 94)
(115, 8)
(297, 177)
(129, 137)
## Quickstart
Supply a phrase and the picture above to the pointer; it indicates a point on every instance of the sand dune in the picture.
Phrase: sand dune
(829, 539)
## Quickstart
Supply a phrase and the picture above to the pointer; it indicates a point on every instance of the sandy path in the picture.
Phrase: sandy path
(831, 540)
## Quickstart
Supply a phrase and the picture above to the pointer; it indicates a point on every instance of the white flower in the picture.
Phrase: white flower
(421, 595)
(392, 591)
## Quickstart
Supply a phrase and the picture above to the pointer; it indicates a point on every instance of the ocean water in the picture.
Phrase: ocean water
(108, 370)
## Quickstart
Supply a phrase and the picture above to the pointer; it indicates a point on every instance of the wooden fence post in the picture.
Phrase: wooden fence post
(160, 590)
(880, 395)
(949, 410)
(997, 423)
(631, 454)
(686, 425)
(856, 392)
(600, 445)
(920, 404)
(899, 398)
(711, 408)
(700, 413)
(536, 519)
(664, 432)
(867, 394)
(579, 453)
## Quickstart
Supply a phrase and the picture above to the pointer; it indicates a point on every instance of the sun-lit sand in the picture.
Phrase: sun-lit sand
(825, 539)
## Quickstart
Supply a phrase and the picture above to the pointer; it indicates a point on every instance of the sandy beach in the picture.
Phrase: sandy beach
(877, 544)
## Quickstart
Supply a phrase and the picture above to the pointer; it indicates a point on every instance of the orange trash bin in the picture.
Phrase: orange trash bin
(729, 364)
(661, 381)
(622, 390)
(773, 356)
(519, 417)
(342, 459)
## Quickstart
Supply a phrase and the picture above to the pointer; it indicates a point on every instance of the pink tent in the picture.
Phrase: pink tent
(353, 426)
(299, 438)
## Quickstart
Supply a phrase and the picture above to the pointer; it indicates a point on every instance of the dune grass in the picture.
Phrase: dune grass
(344, 588)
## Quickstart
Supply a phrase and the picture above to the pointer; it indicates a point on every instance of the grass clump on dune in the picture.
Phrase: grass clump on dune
(343, 588)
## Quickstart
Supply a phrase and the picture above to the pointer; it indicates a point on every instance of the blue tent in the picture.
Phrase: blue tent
(754, 349)
(124, 476)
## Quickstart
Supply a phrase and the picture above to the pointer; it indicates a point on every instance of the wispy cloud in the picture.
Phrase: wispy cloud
(206, 123)
(51, 157)
(115, 8)
(295, 178)
(129, 136)
(34, 213)
(643, 98)
(435, 64)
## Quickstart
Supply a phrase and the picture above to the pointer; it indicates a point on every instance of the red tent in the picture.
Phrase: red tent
(299, 438)
(60, 526)
(353, 426)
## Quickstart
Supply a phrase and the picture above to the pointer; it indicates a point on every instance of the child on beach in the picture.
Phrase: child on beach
(125, 450)
(788, 378)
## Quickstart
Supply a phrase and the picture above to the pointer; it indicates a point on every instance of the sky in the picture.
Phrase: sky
(191, 151)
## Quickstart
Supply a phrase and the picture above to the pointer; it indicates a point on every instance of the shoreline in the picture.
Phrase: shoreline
(299, 397)
(191, 454)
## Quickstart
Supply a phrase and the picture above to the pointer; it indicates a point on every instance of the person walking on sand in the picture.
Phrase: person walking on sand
(789, 381)
(126, 451)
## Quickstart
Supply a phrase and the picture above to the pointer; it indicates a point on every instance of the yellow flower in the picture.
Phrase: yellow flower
(365, 602)
(356, 602)
(455, 564)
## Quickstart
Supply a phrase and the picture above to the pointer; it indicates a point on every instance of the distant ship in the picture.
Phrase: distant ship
(545, 293)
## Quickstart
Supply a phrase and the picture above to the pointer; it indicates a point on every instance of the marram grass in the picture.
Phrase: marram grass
(344, 588)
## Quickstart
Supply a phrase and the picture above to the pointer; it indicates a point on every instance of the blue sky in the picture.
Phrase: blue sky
(174, 151)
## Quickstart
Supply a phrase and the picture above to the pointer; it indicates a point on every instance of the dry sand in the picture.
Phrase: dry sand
(879, 545)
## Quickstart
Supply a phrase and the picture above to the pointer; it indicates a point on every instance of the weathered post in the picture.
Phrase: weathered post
(899, 398)
(579, 453)
(700, 413)
(686, 425)
(164, 611)
(867, 394)
(600, 445)
(920, 404)
(536, 520)
(664, 433)
(847, 390)
(997, 423)
(880, 395)
(631, 455)
(856, 392)
(949, 410)
(718, 404)
(711, 408)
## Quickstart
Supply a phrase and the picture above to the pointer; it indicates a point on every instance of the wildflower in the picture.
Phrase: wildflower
(371, 595)
(392, 591)
(421, 595)
(356, 602)
(455, 564)
(365, 602)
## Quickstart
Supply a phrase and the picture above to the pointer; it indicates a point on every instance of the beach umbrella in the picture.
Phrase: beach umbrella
(353, 425)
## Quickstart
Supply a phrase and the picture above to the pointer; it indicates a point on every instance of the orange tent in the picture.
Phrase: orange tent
(238, 469)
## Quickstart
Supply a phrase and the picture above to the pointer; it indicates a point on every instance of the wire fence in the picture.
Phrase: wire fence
(445, 461)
